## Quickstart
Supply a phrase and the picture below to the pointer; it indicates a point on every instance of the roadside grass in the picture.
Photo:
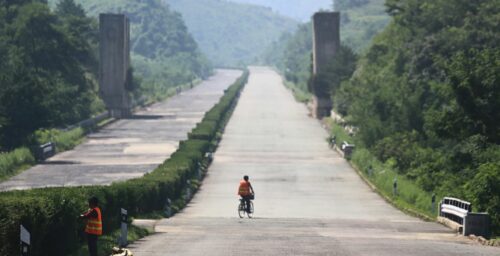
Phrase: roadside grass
(409, 197)
(64, 140)
(299, 94)
(15, 162)
(49, 213)
(157, 92)
(339, 132)
(107, 242)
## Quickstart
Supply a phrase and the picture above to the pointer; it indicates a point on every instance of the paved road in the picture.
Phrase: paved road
(128, 148)
(309, 201)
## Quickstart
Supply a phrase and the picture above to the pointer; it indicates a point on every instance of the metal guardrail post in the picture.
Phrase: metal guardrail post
(45, 151)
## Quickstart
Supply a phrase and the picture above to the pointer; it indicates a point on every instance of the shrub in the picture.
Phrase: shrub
(10, 162)
(51, 213)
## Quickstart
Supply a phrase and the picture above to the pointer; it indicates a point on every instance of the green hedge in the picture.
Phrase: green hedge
(50, 214)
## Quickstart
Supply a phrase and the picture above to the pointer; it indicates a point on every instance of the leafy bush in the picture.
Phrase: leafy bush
(64, 140)
(51, 213)
(10, 162)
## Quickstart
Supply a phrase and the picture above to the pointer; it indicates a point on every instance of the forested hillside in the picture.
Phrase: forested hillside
(48, 68)
(301, 10)
(49, 61)
(361, 20)
(231, 34)
(164, 53)
(425, 97)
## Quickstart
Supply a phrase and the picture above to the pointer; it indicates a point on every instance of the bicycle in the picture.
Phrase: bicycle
(242, 209)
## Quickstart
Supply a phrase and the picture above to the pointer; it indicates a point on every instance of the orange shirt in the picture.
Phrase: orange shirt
(244, 189)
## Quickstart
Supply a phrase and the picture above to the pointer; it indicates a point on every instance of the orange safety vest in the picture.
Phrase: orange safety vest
(94, 225)
(244, 189)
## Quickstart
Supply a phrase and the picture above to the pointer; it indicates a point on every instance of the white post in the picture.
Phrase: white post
(123, 239)
(25, 241)
(188, 191)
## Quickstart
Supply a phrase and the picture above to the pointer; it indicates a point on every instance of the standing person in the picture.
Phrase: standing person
(93, 229)
(246, 191)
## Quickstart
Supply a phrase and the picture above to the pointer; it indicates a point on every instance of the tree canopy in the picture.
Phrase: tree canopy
(425, 94)
(47, 75)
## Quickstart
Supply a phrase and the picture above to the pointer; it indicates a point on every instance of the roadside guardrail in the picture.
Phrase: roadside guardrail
(464, 220)
(45, 151)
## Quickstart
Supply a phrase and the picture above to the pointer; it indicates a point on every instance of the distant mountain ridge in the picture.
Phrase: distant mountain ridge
(232, 34)
(298, 9)
(160, 42)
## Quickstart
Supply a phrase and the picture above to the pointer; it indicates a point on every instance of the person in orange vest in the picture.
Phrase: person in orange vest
(246, 191)
(93, 229)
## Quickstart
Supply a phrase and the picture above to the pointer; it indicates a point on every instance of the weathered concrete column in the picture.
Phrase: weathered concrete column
(326, 43)
(115, 63)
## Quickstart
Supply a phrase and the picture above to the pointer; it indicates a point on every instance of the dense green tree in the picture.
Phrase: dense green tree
(164, 54)
(82, 31)
(342, 5)
(44, 83)
(425, 96)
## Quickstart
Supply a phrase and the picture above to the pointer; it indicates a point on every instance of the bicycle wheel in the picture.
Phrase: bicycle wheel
(250, 213)
(241, 209)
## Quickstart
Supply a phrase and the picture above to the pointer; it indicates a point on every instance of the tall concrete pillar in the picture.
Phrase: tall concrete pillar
(326, 43)
(115, 63)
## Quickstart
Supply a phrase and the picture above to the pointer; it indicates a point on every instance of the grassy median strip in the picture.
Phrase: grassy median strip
(50, 214)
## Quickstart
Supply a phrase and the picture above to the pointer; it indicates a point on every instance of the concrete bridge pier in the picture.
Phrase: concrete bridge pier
(114, 70)
(326, 43)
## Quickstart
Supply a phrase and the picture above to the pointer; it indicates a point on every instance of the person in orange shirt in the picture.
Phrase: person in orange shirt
(246, 191)
(93, 229)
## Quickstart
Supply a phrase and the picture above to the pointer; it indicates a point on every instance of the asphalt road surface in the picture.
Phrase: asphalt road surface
(308, 200)
(128, 148)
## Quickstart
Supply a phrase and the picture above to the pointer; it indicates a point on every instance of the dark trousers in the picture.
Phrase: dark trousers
(92, 242)
(247, 202)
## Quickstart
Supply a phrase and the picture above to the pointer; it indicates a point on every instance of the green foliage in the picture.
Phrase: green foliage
(164, 54)
(231, 34)
(485, 190)
(339, 69)
(342, 5)
(64, 140)
(292, 53)
(47, 79)
(425, 97)
(360, 21)
(107, 242)
(410, 197)
(10, 162)
(51, 213)
(298, 9)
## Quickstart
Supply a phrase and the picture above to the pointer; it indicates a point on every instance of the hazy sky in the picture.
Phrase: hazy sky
(298, 9)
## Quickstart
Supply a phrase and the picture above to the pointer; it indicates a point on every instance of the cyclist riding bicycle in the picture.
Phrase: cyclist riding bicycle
(246, 192)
